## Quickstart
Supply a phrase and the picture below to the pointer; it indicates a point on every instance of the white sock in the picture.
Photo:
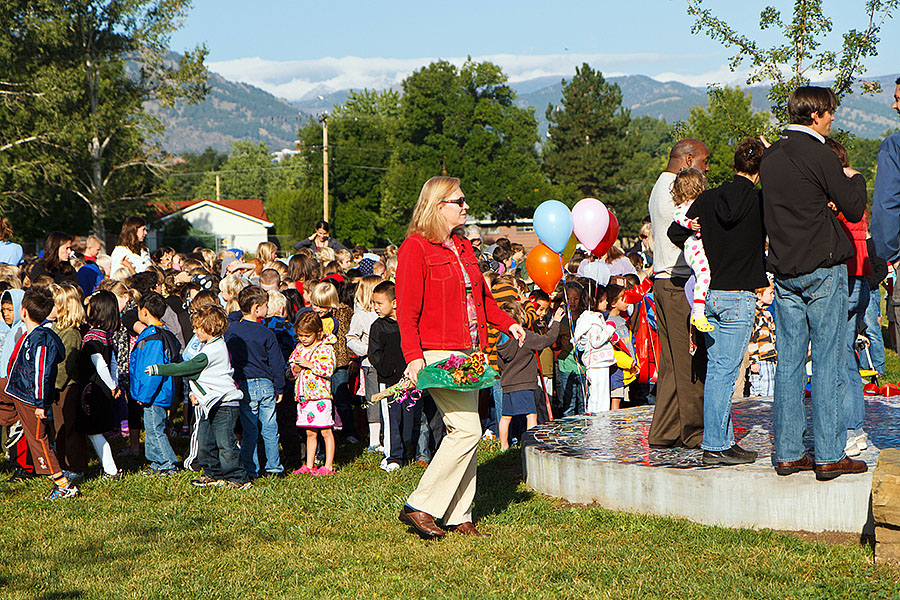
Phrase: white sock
(374, 434)
(104, 452)
(698, 311)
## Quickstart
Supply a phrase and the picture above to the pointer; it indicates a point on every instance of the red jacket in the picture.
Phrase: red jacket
(858, 265)
(431, 298)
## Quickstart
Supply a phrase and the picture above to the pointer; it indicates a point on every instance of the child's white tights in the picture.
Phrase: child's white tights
(104, 452)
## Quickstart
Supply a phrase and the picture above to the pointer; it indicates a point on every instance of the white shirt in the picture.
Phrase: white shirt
(805, 129)
(668, 259)
(139, 262)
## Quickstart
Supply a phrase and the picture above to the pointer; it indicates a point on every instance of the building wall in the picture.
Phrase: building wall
(240, 232)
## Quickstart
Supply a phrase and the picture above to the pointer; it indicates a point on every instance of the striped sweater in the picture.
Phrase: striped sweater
(504, 292)
(762, 340)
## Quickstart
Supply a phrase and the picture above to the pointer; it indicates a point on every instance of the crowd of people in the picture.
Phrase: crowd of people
(266, 364)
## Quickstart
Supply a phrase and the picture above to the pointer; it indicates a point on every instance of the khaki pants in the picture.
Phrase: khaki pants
(447, 489)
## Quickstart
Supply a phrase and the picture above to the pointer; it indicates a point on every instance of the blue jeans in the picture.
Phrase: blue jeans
(157, 449)
(854, 401)
(258, 420)
(570, 391)
(496, 409)
(763, 383)
(731, 314)
(807, 308)
(340, 392)
(872, 321)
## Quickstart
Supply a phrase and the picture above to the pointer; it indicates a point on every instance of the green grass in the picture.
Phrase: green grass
(339, 536)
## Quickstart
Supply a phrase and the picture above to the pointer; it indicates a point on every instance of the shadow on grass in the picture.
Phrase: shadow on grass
(498, 481)
(61, 595)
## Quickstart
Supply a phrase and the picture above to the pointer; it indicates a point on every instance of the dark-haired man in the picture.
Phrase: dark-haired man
(678, 414)
(800, 176)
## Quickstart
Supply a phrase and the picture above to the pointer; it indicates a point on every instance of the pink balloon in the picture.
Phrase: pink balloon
(590, 219)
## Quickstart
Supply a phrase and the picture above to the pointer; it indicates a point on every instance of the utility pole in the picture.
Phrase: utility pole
(218, 194)
(323, 119)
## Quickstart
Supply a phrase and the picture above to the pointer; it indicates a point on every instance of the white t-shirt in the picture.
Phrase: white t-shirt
(668, 259)
(139, 262)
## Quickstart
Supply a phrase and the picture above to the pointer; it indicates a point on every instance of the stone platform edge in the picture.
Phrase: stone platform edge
(734, 497)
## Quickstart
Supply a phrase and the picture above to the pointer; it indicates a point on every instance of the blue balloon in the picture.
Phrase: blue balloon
(553, 224)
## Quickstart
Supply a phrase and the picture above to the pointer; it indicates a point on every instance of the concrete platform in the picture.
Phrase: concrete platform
(605, 459)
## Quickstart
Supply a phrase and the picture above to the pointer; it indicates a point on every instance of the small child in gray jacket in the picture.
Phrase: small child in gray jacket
(519, 370)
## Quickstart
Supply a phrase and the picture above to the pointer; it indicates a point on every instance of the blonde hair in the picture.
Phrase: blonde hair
(232, 285)
(688, 184)
(120, 274)
(343, 253)
(10, 274)
(390, 267)
(277, 303)
(69, 305)
(325, 255)
(427, 220)
(209, 257)
(115, 286)
(364, 288)
(325, 295)
(280, 267)
(267, 252)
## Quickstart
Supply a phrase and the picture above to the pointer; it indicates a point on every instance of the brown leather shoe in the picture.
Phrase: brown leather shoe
(835, 469)
(421, 522)
(467, 528)
(804, 464)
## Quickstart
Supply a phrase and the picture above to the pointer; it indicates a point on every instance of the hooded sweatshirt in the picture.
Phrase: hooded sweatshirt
(10, 334)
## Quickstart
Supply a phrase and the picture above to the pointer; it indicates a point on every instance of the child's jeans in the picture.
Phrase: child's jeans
(157, 449)
(258, 420)
(219, 453)
(763, 383)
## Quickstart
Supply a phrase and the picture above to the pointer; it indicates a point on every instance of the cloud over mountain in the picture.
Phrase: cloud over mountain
(294, 79)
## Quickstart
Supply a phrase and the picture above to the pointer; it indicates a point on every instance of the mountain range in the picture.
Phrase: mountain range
(239, 111)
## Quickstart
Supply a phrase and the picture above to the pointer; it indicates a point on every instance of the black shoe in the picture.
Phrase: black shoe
(19, 475)
(728, 457)
(752, 455)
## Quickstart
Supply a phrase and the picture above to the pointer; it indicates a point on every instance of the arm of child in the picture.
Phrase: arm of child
(536, 341)
(103, 371)
(190, 368)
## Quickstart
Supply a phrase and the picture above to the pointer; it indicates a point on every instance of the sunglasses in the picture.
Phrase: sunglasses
(457, 201)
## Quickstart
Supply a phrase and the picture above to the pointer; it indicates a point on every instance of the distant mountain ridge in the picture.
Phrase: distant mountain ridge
(239, 111)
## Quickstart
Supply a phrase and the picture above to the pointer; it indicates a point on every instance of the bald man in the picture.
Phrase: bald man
(678, 414)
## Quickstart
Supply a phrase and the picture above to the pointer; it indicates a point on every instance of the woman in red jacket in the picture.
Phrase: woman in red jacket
(443, 308)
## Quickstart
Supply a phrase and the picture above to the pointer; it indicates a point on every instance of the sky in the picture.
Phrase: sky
(290, 48)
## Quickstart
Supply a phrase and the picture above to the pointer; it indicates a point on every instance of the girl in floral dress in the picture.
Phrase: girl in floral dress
(312, 362)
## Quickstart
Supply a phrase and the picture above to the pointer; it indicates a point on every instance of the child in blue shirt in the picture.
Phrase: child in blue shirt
(259, 370)
(154, 345)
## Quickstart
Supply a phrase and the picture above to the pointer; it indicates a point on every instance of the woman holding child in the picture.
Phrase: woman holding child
(730, 222)
(443, 308)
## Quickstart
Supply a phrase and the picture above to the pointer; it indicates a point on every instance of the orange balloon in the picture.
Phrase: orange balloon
(609, 240)
(545, 267)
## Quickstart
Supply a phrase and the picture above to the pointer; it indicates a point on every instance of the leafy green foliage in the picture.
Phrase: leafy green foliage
(788, 65)
(726, 121)
(85, 68)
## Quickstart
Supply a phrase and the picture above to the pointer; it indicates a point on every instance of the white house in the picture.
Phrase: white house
(235, 223)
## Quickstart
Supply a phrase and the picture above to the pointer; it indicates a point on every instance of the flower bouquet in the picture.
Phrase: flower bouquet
(456, 373)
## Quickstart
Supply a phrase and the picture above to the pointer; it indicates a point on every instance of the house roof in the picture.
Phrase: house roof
(251, 208)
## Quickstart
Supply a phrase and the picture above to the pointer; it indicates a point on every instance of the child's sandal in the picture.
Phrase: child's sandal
(702, 325)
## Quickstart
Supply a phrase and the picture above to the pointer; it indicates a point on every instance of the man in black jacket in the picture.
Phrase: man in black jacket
(800, 176)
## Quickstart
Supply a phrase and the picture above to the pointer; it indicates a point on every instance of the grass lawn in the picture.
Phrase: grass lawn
(339, 536)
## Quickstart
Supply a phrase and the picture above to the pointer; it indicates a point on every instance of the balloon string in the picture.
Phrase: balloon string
(581, 370)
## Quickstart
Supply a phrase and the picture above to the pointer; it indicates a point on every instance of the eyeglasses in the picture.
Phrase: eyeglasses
(643, 237)
(457, 201)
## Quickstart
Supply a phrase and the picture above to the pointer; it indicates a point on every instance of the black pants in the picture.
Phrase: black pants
(219, 453)
(402, 417)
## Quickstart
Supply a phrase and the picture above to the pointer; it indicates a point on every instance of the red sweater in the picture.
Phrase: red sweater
(431, 298)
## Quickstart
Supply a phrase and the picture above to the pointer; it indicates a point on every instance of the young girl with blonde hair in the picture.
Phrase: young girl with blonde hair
(358, 342)
(71, 450)
(688, 185)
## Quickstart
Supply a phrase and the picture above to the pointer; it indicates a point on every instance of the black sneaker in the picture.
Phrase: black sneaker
(751, 454)
(16, 431)
(728, 457)
(19, 475)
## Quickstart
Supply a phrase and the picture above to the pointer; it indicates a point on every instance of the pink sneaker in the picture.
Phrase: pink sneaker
(324, 471)
(304, 470)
